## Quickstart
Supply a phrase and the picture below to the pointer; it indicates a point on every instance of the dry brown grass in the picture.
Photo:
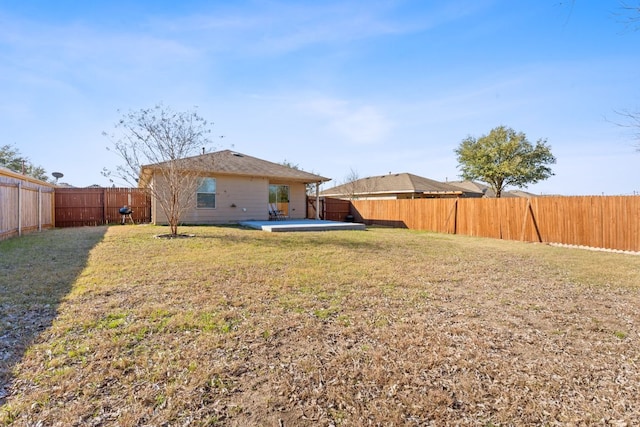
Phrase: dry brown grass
(383, 327)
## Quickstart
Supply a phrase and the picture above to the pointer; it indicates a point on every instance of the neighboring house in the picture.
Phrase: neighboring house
(236, 187)
(486, 190)
(397, 186)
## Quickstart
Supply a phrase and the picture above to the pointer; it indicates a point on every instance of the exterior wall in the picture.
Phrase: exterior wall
(399, 196)
(297, 200)
(238, 198)
(385, 197)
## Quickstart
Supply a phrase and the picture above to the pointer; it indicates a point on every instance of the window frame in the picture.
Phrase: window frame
(199, 192)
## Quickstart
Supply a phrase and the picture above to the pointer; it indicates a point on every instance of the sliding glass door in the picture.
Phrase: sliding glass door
(279, 197)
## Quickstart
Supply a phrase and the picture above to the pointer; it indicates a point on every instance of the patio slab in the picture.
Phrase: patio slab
(302, 225)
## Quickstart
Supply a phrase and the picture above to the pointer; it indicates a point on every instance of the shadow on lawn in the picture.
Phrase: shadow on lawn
(37, 271)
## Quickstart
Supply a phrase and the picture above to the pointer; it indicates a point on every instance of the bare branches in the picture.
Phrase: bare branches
(159, 148)
(630, 14)
(631, 120)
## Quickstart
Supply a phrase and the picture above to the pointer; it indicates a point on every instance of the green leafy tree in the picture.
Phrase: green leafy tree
(11, 158)
(168, 144)
(504, 157)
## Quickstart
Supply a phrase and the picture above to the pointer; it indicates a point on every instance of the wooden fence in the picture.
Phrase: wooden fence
(330, 209)
(26, 204)
(611, 222)
(77, 207)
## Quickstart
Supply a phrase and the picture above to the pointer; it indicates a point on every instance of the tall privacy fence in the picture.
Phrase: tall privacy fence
(77, 207)
(330, 209)
(611, 222)
(26, 204)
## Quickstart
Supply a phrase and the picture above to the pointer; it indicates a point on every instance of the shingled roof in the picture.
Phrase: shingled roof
(227, 162)
(400, 183)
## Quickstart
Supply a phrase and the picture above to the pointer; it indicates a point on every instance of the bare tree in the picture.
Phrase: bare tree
(630, 119)
(354, 186)
(351, 183)
(160, 150)
(630, 13)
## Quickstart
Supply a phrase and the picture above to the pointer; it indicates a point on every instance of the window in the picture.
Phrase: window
(279, 196)
(278, 193)
(206, 193)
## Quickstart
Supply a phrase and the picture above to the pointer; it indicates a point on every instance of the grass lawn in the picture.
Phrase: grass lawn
(111, 326)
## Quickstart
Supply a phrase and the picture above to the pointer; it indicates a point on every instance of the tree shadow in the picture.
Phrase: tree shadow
(37, 271)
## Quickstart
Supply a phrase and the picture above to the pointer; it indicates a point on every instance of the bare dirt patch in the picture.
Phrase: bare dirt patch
(383, 327)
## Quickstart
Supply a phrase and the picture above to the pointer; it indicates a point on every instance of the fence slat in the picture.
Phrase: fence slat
(24, 204)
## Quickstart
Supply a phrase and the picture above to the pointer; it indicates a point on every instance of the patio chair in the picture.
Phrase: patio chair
(275, 214)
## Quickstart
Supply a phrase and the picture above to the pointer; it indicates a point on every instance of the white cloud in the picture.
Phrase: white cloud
(358, 124)
(277, 28)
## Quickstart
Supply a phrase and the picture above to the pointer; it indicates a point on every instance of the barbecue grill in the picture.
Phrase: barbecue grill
(126, 212)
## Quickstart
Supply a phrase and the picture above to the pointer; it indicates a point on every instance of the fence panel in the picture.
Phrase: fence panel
(481, 219)
(597, 221)
(76, 207)
(336, 209)
(8, 210)
(380, 212)
(30, 209)
(611, 222)
(26, 204)
(623, 231)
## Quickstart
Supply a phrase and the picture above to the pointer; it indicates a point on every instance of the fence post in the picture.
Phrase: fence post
(19, 208)
(53, 208)
(529, 209)
(454, 211)
(104, 206)
(39, 209)
(455, 218)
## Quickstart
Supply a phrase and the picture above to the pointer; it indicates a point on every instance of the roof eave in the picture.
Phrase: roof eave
(148, 171)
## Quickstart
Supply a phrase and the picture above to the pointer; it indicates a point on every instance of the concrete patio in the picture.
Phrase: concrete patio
(302, 225)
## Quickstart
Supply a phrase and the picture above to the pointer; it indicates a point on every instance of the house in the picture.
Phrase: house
(233, 187)
(486, 190)
(397, 186)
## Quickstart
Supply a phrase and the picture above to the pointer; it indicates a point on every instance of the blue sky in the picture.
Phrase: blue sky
(332, 86)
